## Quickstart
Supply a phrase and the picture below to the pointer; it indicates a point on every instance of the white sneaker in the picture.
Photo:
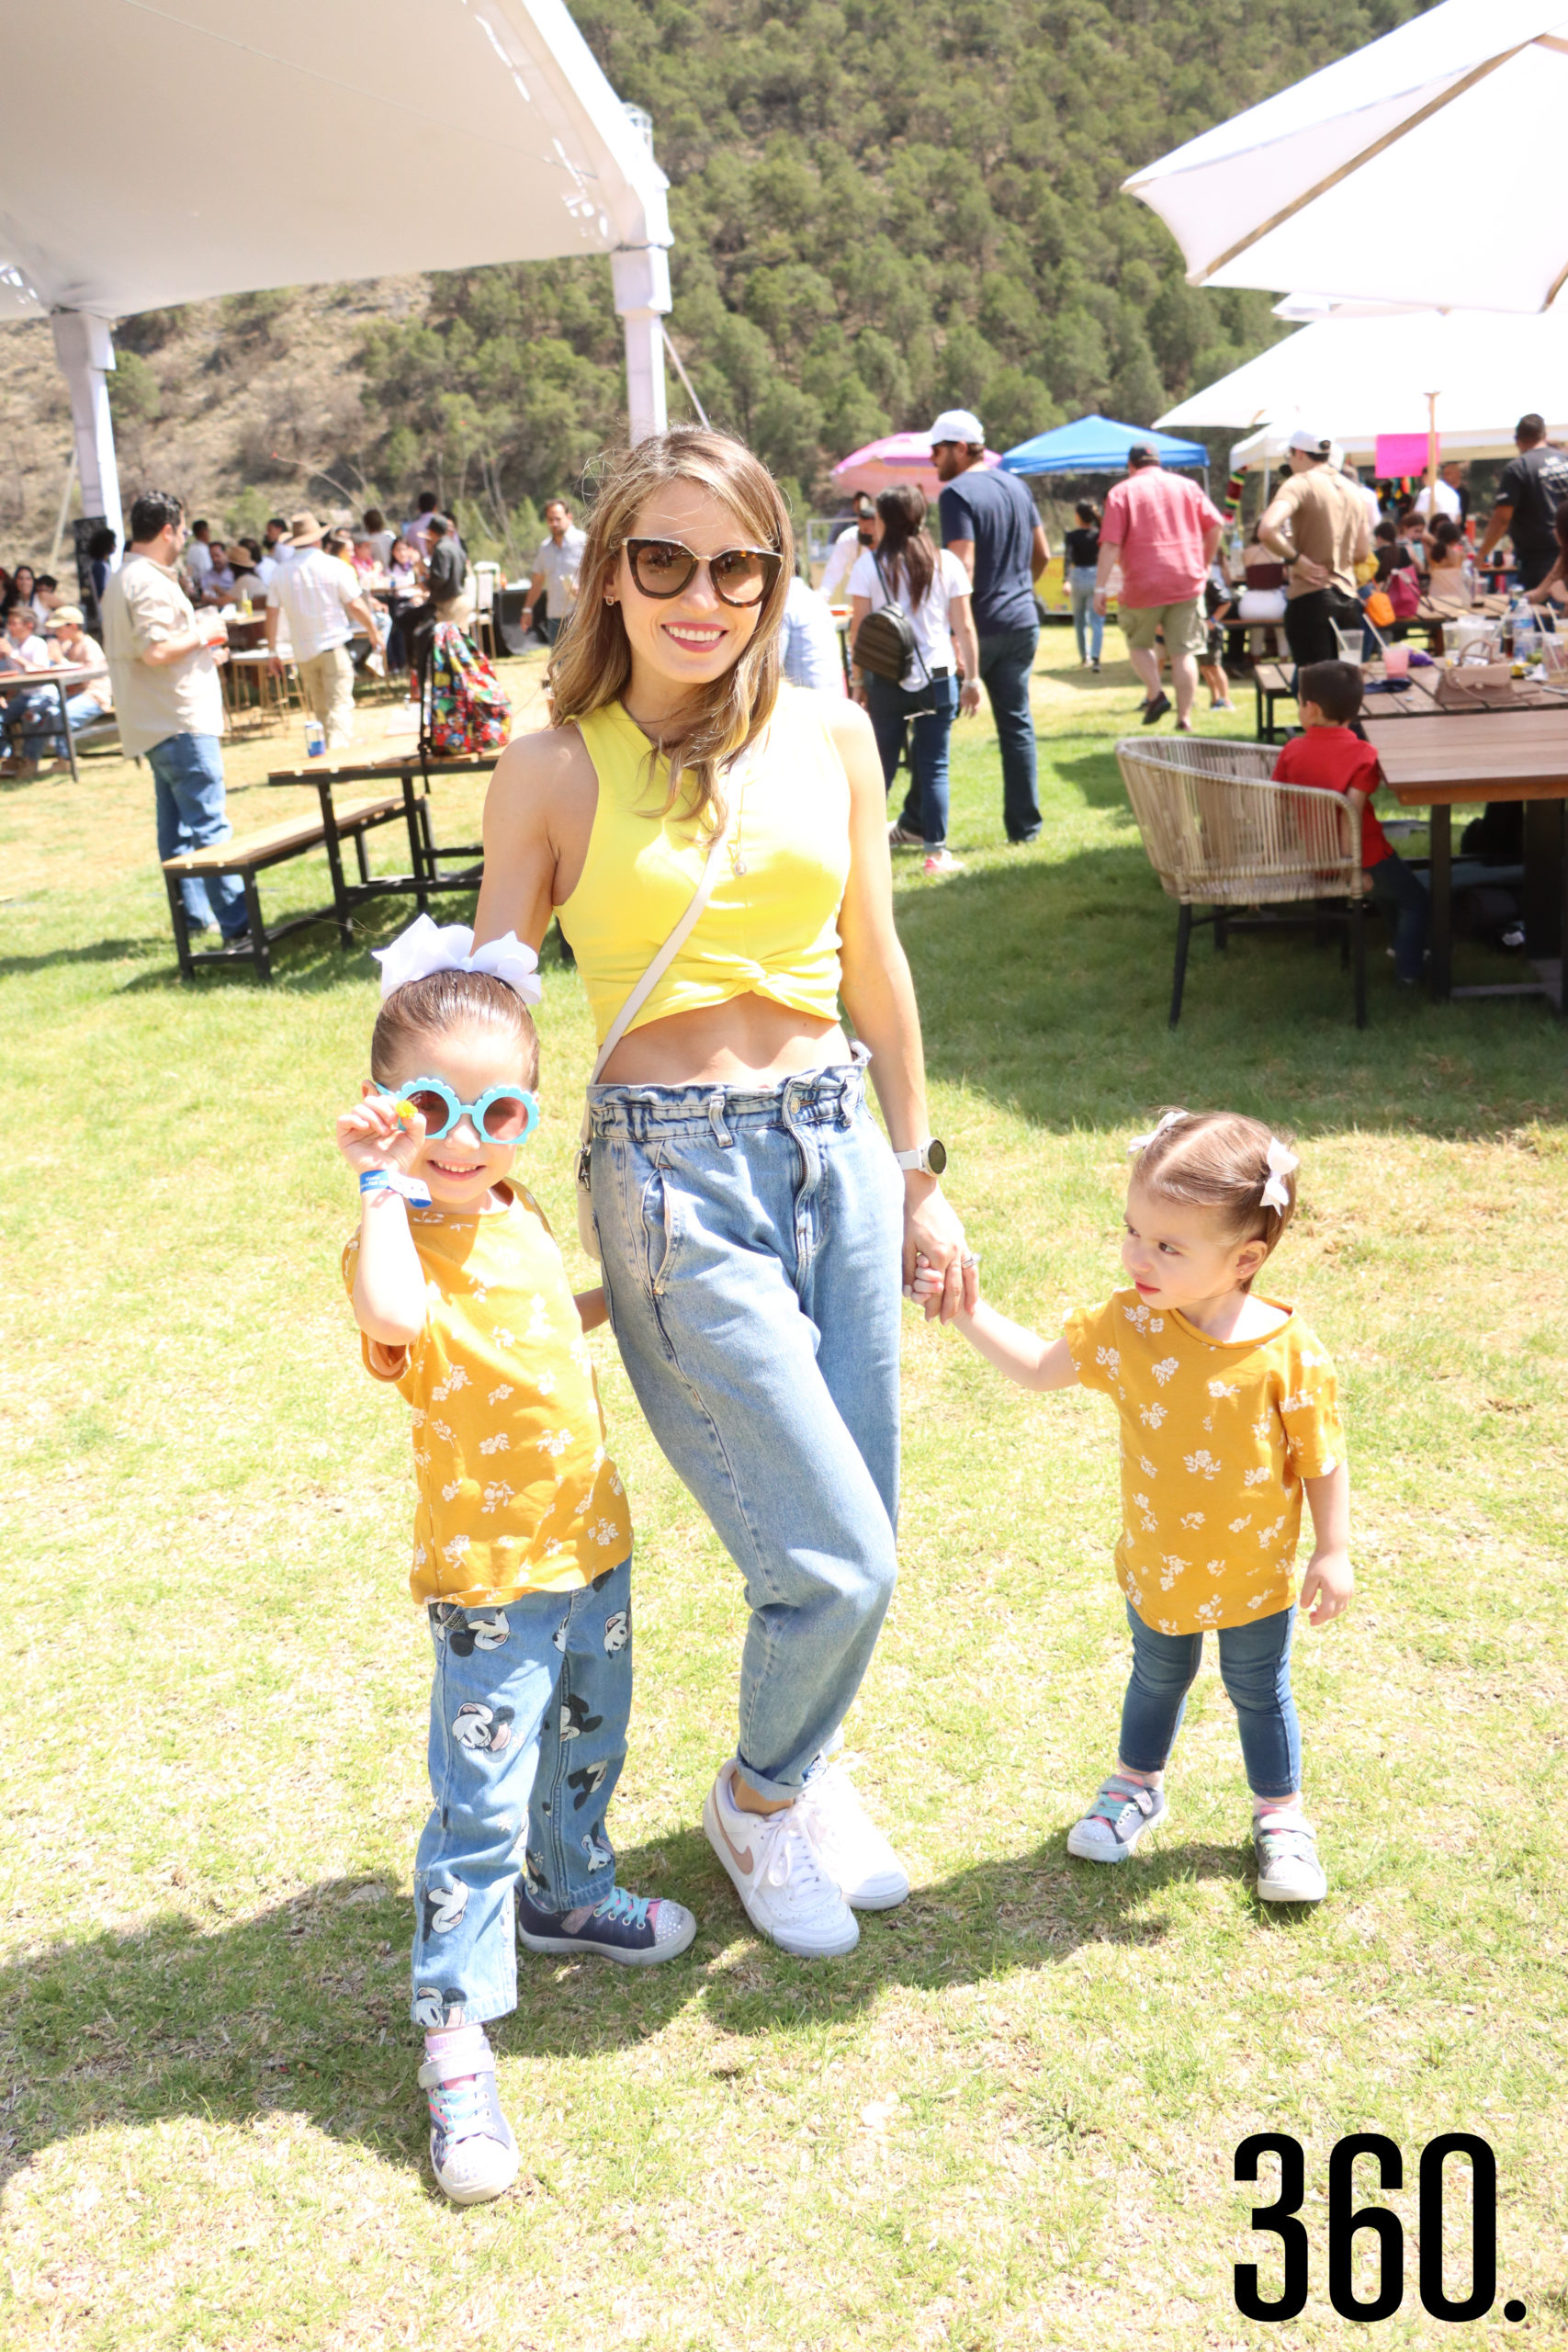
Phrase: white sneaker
(784, 1890)
(850, 1845)
(1288, 1867)
(472, 2152)
(941, 860)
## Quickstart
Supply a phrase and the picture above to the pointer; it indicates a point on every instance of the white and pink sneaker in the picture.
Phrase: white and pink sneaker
(850, 1845)
(773, 1867)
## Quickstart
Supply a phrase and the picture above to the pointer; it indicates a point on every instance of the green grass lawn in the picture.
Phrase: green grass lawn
(1008, 2120)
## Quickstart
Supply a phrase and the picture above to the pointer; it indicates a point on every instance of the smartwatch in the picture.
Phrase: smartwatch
(930, 1158)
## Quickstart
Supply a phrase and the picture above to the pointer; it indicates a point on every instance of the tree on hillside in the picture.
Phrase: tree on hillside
(880, 207)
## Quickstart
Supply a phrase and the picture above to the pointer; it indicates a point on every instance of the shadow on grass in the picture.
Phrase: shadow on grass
(304, 2007)
(308, 962)
(101, 951)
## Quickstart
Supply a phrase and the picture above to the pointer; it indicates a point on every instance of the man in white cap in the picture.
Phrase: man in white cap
(992, 526)
(319, 597)
(1316, 523)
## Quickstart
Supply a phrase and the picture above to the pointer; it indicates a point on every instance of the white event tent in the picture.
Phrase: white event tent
(1420, 169)
(1354, 377)
(121, 193)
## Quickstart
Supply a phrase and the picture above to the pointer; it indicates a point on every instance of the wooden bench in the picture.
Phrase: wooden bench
(253, 853)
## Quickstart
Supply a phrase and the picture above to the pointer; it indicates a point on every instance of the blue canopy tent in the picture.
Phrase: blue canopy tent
(1098, 445)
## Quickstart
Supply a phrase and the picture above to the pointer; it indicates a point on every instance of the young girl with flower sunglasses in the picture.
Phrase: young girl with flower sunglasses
(522, 1550)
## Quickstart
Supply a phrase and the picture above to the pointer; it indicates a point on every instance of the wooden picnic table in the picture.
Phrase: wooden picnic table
(404, 763)
(1441, 760)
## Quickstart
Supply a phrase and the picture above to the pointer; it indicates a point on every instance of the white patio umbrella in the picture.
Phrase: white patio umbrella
(1422, 169)
(1354, 378)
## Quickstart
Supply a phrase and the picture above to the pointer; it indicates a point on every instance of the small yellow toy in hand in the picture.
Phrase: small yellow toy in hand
(404, 1113)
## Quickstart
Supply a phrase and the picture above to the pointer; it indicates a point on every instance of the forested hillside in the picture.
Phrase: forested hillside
(880, 207)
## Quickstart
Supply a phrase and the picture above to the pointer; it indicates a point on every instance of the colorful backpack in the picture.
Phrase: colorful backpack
(465, 709)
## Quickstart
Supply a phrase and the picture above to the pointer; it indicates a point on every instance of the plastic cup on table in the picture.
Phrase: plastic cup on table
(1396, 661)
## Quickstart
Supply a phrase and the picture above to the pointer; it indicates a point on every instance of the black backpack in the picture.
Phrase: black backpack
(886, 644)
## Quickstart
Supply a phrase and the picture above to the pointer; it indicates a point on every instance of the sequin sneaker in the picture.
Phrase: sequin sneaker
(1122, 1811)
(472, 2152)
(637, 1928)
(1288, 1867)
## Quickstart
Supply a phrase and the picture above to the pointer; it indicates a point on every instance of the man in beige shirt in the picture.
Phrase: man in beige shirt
(1317, 523)
(168, 698)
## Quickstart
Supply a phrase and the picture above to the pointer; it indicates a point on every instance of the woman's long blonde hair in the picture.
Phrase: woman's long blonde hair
(592, 660)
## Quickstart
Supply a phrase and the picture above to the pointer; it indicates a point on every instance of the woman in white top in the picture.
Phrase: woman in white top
(932, 589)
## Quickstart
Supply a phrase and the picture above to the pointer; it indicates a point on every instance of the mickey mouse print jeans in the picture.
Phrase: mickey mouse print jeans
(528, 1710)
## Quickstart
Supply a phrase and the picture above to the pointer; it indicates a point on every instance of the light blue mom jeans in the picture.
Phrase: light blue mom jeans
(750, 1244)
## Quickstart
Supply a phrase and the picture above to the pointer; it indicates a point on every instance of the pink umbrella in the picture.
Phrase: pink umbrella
(899, 456)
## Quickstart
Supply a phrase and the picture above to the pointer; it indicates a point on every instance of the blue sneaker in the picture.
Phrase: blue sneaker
(637, 1928)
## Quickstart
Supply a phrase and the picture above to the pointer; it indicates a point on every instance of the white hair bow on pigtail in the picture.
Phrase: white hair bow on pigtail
(425, 947)
(1283, 1162)
(1142, 1143)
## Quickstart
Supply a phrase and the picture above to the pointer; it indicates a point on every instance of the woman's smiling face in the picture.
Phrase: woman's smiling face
(689, 639)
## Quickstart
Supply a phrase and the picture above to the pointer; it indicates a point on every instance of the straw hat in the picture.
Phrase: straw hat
(304, 531)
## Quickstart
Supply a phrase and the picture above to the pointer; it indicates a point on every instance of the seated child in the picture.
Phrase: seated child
(1218, 607)
(522, 1547)
(1446, 558)
(1333, 759)
(1228, 1414)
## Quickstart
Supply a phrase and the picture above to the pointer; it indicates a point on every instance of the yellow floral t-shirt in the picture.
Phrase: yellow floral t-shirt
(516, 1492)
(1216, 1438)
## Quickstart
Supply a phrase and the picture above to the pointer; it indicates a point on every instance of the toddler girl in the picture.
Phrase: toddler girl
(522, 1548)
(1228, 1414)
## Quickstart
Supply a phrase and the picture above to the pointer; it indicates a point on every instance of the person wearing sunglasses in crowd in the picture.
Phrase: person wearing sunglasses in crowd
(521, 1542)
(750, 1216)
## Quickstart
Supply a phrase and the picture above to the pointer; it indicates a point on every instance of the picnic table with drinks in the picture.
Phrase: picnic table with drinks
(1487, 723)
(1484, 722)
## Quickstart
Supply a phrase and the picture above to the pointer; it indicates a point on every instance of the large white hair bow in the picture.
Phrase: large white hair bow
(1142, 1143)
(1283, 1162)
(427, 947)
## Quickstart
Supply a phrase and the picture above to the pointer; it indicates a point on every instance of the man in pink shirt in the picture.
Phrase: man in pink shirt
(1164, 533)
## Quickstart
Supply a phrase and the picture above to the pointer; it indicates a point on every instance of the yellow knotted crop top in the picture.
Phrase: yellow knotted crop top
(771, 928)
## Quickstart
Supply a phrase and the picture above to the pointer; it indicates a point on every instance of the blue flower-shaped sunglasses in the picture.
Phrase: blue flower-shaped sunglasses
(502, 1114)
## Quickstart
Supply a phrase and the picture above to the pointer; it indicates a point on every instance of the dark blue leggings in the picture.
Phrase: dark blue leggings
(1255, 1666)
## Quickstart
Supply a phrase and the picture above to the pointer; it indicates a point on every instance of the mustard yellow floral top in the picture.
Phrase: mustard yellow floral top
(1216, 1438)
(516, 1492)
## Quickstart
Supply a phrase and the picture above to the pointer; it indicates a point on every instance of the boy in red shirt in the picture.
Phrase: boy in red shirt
(1332, 758)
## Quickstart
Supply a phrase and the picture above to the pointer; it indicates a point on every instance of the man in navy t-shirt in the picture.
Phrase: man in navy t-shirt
(993, 527)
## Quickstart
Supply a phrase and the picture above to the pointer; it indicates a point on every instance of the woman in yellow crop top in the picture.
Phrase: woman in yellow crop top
(755, 1228)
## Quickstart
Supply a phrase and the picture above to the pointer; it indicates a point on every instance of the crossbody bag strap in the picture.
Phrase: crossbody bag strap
(662, 962)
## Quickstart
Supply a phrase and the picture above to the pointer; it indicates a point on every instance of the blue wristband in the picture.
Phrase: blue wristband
(387, 1179)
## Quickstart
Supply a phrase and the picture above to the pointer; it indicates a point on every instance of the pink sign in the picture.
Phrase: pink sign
(1402, 453)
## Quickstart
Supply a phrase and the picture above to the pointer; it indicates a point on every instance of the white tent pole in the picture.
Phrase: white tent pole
(642, 277)
(64, 509)
(85, 352)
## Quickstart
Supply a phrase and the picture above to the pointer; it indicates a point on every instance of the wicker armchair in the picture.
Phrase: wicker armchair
(1219, 833)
